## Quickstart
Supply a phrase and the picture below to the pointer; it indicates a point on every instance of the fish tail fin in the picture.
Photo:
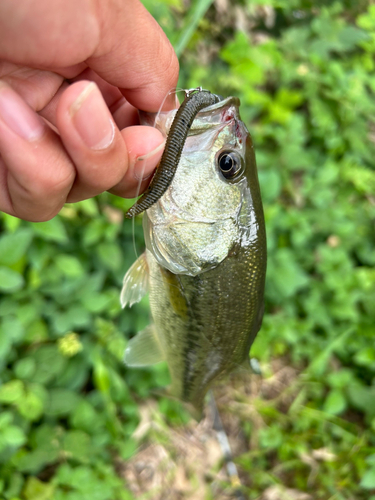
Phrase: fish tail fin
(194, 409)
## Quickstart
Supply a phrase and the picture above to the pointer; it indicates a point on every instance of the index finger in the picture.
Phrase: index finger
(135, 55)
(118, 39)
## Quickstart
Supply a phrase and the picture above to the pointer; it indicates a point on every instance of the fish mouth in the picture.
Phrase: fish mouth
(216, 116)
(212, 116)
(219, 106)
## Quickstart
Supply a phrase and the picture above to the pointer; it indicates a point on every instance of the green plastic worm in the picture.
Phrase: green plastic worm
(196, 99)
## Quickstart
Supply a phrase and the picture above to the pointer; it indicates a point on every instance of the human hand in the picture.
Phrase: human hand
(93, 144)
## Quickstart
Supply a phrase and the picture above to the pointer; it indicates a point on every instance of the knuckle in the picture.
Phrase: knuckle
(168, 66)
(41, 199)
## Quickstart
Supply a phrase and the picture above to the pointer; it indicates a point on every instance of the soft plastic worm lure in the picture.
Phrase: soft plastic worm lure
(195, 100)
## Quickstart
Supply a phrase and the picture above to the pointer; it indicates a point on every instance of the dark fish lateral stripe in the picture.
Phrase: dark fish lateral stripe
(173, 148)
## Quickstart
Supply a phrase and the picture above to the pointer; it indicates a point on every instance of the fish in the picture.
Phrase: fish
(205, 261)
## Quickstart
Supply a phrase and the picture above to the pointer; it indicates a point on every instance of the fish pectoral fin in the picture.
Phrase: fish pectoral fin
(250, 365)
(144, 349)
(135, 284)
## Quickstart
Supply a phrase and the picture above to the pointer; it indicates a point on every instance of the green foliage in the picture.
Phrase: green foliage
(305, 76)
(68, 406)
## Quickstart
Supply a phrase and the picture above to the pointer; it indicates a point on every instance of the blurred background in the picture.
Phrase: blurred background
(76, 424)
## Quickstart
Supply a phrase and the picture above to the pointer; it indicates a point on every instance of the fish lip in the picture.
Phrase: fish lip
(158, 119)
(225, 103)
(217, 117)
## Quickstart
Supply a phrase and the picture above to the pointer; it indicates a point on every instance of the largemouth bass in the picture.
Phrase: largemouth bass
(205, 260)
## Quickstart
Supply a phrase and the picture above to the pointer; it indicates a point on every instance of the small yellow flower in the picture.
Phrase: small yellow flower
(70, 345)
(302, 70)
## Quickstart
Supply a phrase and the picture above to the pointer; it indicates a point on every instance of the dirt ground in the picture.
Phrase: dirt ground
(187, 462)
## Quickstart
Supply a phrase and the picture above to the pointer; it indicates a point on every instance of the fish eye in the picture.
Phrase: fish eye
(229, 164)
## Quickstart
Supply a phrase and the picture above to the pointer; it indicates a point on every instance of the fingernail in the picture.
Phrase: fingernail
(92, 119)
(18, 115)
(143, 165)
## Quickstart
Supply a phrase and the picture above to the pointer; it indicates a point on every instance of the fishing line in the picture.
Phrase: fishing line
(170, 92)
(222, 438)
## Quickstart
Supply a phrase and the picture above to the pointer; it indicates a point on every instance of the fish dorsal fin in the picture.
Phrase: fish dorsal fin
(144, 349)
(135, 284)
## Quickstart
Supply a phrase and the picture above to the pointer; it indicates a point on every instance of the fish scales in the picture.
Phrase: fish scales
(205, 259)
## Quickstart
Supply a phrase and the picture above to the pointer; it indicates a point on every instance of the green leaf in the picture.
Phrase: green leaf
(37, 490)
(362, 398)
(35, 461)
(6, 418)
(129, 448)
(10, 281)
(368, 479)
(86, 418)
(93, 232)
(61, 402)
(102, 377)
(14, 488)
(351, 36)
(366, 357)
(25, 368)
(76, 444)
(69, 265)
(49, 363)
(270, 437)
(11, 392)
(335, 402)
(111, 255)
(14, 246)
(10, 222)
(31, 406)
(37, 331)
(52, 230)
(340, 379)
(74, 317)
(286, 276)
(196, 13)
(88, 207)
(270, 183)
(96, 302)
(13, 436)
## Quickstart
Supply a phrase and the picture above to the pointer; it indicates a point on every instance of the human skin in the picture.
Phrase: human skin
(72, 75)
